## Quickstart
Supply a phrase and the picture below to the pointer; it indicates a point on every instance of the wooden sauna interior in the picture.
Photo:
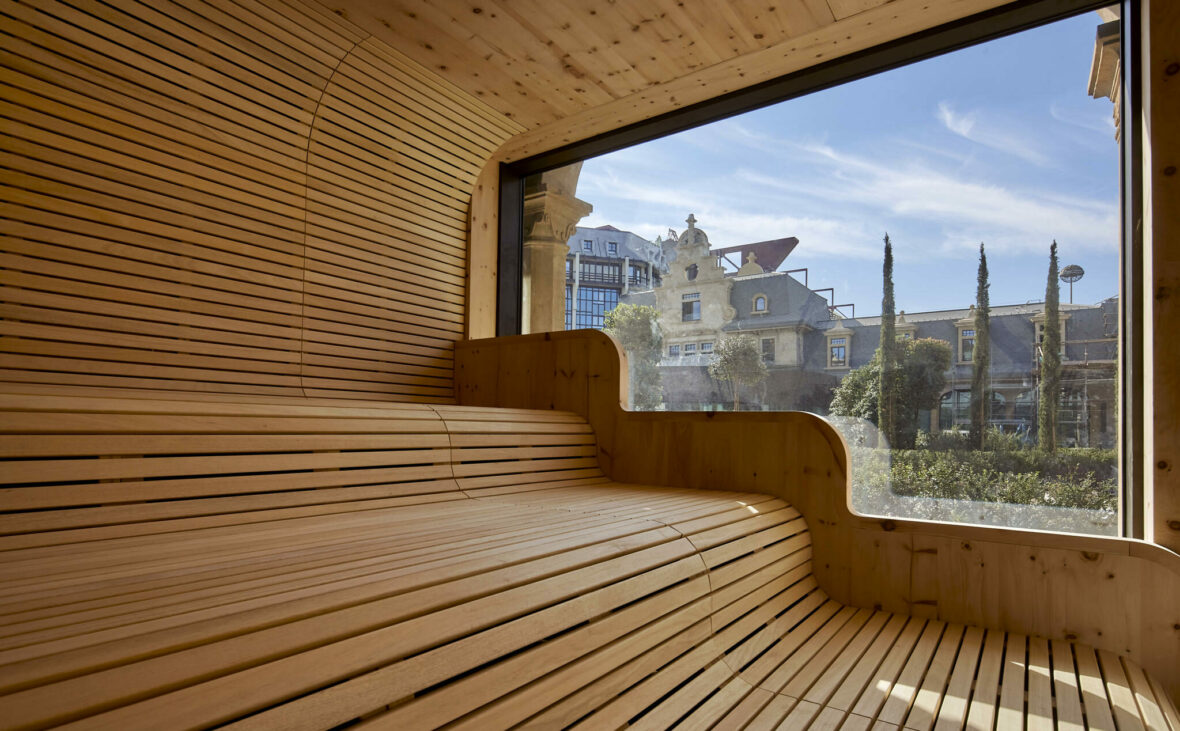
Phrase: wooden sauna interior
(264, 462)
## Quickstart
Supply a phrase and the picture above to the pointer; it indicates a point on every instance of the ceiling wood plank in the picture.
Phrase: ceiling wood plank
(862, 31)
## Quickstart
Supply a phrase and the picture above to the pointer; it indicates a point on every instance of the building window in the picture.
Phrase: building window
(637, 275)
(569, 306)
(593, 304)
(706, 348)
(673, 351)
(966, 345)
(1040, 325)
(600, 273)
(690, 348)
(587, 246)
(767, 350)
(954, 409)
(691, 272)
(837, 353)
(612, 248)
(690, 308)
(760, 303)
(838, 341)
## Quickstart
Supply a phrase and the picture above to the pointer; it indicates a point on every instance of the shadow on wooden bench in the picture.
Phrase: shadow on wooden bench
(280, 564)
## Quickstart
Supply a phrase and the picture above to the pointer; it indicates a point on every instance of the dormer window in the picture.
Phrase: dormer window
(1039, 328)
(966, 345)
(839, 347)
(760, 303)
(612, 248)
(587, 246)
(838, 353)
(966, 337)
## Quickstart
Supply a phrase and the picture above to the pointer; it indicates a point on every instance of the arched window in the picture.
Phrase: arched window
(760, 303)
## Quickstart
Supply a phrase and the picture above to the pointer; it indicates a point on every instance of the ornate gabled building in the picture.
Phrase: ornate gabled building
(808, 344)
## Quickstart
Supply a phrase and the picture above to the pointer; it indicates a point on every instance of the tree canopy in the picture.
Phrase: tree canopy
(738, 360)
(921, 375)
(981, 355)
(636, 329)
(1050, 361)
(889, 380)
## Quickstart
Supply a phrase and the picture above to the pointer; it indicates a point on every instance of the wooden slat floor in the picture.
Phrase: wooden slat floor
(518, 588)
(600, 606)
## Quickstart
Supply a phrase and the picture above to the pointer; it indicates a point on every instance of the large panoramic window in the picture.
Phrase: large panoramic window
(941, 243)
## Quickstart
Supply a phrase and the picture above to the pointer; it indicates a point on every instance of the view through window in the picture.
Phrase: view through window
(928, 257)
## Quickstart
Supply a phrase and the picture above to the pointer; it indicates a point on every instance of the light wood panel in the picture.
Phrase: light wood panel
(546, 64)
(233, 197)
(1118, 595)
(1161, 300)
(513, 584)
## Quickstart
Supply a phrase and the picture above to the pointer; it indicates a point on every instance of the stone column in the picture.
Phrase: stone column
(551, 214)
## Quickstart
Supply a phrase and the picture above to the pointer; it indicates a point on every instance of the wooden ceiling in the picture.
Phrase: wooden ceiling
(543, 61)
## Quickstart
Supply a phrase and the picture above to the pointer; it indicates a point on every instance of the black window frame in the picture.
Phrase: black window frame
(969, 31)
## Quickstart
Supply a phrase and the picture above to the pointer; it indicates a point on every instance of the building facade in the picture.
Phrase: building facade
(809, 345)
(604, 264)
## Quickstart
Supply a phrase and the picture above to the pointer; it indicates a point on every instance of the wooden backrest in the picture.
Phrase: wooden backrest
(80, 468)
(253, 197)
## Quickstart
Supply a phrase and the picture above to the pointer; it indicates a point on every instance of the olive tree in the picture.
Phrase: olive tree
(636, 329)
(738, 361)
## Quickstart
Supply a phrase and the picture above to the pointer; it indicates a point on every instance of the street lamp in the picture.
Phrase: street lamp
(1071, 274)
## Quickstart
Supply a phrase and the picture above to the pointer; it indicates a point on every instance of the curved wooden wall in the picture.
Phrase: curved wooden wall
(236, 197)
(1115, 594)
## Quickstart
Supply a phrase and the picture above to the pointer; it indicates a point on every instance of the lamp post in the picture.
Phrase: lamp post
(1071, 274)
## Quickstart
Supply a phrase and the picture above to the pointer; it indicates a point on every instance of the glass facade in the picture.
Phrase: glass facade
(593, 304)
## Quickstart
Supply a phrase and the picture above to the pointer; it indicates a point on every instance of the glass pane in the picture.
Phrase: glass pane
(965, 394)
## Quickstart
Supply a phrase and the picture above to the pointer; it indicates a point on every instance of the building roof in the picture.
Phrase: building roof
(630, 245)
(768, 254)
(788, 302)
(1028, 308)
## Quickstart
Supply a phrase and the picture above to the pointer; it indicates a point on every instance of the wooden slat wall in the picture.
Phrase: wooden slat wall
(229, 196)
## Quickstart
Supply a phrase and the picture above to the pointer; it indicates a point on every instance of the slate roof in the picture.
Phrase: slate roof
(630, 244)
(789, 302)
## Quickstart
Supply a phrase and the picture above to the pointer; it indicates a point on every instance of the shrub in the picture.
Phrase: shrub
(1077, 478)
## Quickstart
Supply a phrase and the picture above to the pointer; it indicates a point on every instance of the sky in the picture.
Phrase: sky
(999, 143)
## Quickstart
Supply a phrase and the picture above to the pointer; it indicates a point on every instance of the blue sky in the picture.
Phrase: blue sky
(998, 143)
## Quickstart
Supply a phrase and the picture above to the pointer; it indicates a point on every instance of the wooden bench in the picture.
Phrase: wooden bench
(304, 564)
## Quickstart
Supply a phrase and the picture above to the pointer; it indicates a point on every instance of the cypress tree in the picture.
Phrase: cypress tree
(1050, 361)
(982, 357)
(887, 393)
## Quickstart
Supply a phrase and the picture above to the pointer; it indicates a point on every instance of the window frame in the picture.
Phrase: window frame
(963, 339)
(841, 342)
(968, 31)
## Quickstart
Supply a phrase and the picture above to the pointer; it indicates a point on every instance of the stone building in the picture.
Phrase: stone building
(1089, 364)
(809, 346)
(603, 264)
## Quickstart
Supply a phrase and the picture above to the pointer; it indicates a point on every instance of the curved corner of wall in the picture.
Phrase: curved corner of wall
(246, 198)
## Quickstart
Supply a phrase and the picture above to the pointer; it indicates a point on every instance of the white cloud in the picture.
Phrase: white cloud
(969, 127)
(839, 203)
(960, 124)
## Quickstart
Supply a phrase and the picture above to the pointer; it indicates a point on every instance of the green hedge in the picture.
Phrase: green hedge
(1076, 478)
